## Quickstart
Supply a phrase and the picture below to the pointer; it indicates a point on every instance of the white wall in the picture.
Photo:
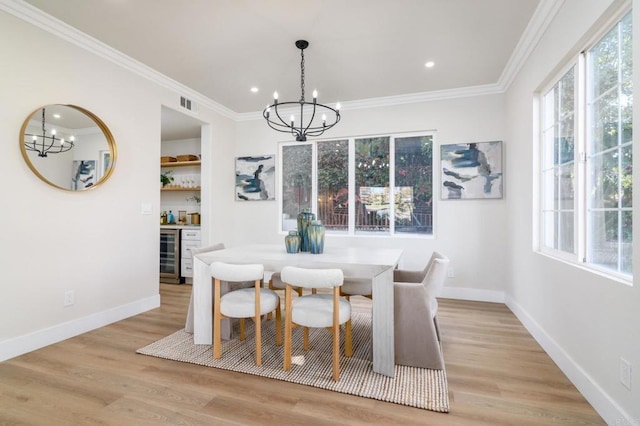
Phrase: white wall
(585, 321)
(464, 228)
(96, 242)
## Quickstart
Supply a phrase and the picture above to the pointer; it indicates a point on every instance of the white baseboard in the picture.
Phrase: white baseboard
(474, 294)
(41, 338)
(610, 411)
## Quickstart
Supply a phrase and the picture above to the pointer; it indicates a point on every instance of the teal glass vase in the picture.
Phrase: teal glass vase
(304, 220)
(316, 237)
(292, 242)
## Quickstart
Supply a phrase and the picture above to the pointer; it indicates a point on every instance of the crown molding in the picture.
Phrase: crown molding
(386, 101)
(540, 21)
(542, 17)
(46, 22)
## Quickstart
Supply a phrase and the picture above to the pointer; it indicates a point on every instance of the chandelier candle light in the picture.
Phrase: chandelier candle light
(44, 144)
(302, 130)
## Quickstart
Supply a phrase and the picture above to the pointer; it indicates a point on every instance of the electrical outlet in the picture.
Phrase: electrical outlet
(69, 298)
(625, 373)
(451, 273)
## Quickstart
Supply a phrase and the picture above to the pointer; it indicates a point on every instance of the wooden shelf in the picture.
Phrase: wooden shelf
(180, 163)
(180, 189)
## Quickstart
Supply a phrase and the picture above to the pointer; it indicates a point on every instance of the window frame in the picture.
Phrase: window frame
(582, 154)
(351, 229)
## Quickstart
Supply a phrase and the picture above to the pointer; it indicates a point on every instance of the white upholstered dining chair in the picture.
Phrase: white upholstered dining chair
(243, 303)
(417, 335)
(316, 310)
(276, 283)
(225, 286)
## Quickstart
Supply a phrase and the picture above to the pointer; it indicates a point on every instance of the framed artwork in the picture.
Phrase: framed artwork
(471, 170)
(83, 174)
(256, 178)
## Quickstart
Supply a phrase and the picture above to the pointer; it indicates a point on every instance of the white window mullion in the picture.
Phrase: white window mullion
(314, 178)
(351, 207)
(392, 185)
(581, 159)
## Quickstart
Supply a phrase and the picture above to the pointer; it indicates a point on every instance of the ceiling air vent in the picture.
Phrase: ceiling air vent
(187, 103)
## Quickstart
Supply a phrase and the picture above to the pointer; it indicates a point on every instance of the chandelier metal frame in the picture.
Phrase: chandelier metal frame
(276, 122)
(43, 144)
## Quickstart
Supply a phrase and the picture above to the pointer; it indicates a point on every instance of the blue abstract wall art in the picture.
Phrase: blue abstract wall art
(256, 178)
(471, 170)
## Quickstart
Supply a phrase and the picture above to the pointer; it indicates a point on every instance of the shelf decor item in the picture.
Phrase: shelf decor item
(304, 220)
(292, 242)
(316, 237)
(187, 157)
(166, 178)
(195, 218)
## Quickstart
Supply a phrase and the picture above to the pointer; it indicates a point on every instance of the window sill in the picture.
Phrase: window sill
(622, 279)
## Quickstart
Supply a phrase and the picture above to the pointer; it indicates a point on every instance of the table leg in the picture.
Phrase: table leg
(382, 323)
(202, 306)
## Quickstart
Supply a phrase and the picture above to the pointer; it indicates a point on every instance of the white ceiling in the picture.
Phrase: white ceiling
(359, 49)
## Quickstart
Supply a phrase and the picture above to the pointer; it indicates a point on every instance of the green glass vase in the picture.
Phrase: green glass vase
(304, 220)
(292, 242)
(316, 237)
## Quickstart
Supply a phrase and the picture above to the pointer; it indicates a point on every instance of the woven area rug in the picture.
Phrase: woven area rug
(415, 387)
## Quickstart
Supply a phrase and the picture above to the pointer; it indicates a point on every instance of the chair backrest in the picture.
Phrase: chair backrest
(434, 255)
(312, 278)
(233, 273)
(436, 274)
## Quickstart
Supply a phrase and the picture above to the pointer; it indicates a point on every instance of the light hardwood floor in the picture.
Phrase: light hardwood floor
(497, 374)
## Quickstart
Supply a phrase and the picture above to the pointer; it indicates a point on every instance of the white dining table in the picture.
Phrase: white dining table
(374, 263)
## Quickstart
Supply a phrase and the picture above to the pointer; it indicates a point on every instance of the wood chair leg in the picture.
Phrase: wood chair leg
(242, 336)
(306, 338)
(336, 352)
(258, 342)
(217, 322)
(336, 334)
(258, 323)
(287, 329)
(348, 341)
(278, 326)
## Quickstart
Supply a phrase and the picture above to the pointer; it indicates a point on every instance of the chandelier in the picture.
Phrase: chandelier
(43, 144)
(315, 112)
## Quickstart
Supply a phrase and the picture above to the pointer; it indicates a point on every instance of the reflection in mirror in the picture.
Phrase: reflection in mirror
(68, 147)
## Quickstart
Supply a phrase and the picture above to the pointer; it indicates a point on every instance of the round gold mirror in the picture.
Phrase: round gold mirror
(68, 147)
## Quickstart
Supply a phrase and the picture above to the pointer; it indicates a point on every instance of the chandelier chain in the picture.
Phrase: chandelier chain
(302, 75)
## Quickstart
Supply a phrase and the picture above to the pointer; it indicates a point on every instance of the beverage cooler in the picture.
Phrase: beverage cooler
(170, 256)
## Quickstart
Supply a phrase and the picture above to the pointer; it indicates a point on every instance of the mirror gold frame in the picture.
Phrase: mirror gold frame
(33, 160)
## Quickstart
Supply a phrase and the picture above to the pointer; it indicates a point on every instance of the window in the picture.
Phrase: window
(586, 169)
(348, 184)
(559, 165)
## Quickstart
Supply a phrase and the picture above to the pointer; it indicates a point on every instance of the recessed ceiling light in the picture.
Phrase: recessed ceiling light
(254, 90)
(430, 64)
